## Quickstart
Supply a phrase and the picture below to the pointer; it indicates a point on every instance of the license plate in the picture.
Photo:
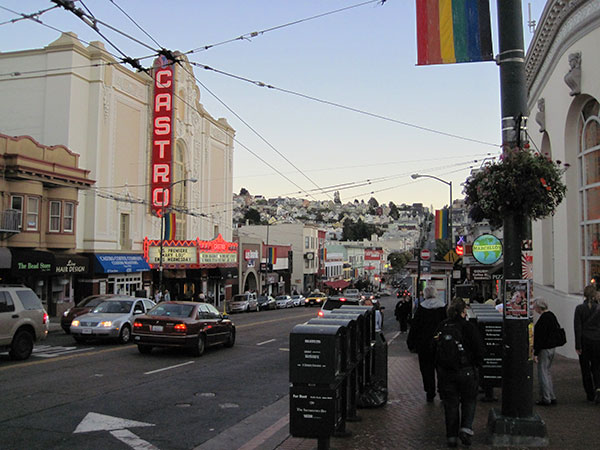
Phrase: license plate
(86, 331)
(156, 328)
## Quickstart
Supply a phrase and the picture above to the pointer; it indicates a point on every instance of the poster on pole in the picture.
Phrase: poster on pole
(517, 298)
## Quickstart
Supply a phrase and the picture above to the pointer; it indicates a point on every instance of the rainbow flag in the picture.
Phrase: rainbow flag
(441, 224)
(271, 255)
(453, 31)
(170, 224)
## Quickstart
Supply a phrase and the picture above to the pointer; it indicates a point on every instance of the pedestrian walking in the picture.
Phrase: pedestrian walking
(167, 296)
(544, 346)
(403, 312)
(459, 354)
(157, 296)
(378, 314)
(429, 314)
(586, 323)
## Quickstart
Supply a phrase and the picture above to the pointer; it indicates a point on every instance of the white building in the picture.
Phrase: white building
(562, 72)
(78, 96)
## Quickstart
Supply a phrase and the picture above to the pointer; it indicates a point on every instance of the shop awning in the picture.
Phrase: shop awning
(337, 284)
(119, 263)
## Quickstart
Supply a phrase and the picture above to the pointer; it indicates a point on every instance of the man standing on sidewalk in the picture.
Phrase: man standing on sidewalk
(586, 323)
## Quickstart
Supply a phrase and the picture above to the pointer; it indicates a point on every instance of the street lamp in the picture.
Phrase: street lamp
(162, 237)
(414, 176)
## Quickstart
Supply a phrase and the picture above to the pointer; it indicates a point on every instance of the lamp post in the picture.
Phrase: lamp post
(162, 236)
(414, 176)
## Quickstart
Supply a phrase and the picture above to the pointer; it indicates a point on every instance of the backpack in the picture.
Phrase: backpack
(450, 353)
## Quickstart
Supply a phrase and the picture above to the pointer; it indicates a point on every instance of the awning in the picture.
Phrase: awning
(70, 264)
(119, 263)
(337, 284)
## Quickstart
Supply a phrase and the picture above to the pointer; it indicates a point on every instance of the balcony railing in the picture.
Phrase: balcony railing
(10, 221)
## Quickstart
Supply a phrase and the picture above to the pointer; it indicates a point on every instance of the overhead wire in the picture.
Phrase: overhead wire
(32, 16)
(254, 34)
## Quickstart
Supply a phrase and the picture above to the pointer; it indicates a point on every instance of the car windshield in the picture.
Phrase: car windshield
(113, 307)
(239, 298)
(263, 299)
(281, 297)
(296, 296)
(171, 310)
(90, 302)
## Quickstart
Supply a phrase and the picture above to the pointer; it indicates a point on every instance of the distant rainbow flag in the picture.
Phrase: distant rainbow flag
(170, 224)
(271, 255)
(441, 224)
(453, 31)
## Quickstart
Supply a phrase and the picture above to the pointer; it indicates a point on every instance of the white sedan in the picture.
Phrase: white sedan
(284, 301)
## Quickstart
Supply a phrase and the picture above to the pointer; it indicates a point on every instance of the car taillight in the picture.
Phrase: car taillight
(342, 299)
(320, 314)
(137, 324)
(180, 327)
(45, 318)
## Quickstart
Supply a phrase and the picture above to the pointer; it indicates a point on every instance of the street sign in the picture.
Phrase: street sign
(451, 256)
(425, 254)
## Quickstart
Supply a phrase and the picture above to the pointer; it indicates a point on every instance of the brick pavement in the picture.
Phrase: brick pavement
(407, 421)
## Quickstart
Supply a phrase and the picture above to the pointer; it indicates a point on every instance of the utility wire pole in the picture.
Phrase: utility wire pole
(515, 424)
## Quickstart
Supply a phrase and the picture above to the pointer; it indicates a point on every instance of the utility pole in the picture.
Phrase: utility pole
(515, 424)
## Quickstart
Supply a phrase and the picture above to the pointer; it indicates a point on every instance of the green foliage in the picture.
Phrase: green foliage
(252, 216)
(394, 213)
(357, 231)
(442, 246)
(373, 203)
(523, 184)
(244, 191)
(399, 259)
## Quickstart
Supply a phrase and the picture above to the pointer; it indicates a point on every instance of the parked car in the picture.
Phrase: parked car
(352, 294)
(336, 302)
(243, 303)
(83, 307)
(191, 325)
(316, 298)
(298, 300)
(112, 318)
(284, 301)
(266, 302)
(23, 321)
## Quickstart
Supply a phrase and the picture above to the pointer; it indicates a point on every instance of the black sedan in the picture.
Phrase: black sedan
(183, 324)
(266, 302)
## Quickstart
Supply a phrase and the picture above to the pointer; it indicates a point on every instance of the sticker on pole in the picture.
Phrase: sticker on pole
(425, 254)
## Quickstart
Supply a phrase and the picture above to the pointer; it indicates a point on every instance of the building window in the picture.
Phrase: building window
(124, 231)
(589, 165)
(54, 222)
(33, 208)
(306, 242)
(16, 202)
(216, 231)
(69, 217)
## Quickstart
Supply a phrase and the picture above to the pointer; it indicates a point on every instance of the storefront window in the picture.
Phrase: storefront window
(589, 165)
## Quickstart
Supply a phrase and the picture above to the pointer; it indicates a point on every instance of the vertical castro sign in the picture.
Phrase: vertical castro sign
(162, 136)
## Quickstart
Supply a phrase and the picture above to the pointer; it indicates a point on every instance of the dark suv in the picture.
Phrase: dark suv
(23, 320)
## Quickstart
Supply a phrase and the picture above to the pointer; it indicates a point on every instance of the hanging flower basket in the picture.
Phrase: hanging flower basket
(522, 184)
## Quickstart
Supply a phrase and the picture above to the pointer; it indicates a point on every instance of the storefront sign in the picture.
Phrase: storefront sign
(28, 262)
(117, 263)
(217, 258)
(173, 255)
(487, 249)
(72, 265)
(162, 135)
(481, 274)
(250, 254)
(373, 255)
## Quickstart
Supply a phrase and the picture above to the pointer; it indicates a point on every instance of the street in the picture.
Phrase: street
(104, 395)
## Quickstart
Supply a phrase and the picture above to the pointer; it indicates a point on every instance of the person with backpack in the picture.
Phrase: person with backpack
(459, 354)
(586, 323)
(544, 347)
(429, 314)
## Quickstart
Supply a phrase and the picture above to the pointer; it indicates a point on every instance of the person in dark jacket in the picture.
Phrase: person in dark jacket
(403, 311)
(430, 312)
(586, 323)
(543, 350)
(459, 385)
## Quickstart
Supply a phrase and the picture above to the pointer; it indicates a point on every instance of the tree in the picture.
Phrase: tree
(373, 203)
(336, 197)
(394, 213)
(252, 216)
(244, 191)
(442, 247)
(399, 259)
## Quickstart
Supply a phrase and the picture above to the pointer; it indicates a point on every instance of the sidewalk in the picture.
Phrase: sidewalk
(409, 422)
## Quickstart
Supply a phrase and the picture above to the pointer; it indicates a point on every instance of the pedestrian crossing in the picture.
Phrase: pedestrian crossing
(52, 351)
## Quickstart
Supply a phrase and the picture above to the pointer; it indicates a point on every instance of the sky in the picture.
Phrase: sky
(440, 120)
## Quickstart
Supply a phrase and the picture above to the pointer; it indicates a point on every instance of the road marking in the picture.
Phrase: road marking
(117, 427)
(266, 342)
(169, 368)
(284, 349)
(280, 319)
(259, 440)
(49, 351)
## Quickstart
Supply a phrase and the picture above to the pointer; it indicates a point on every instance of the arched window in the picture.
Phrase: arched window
(589, 172)
(180, 191)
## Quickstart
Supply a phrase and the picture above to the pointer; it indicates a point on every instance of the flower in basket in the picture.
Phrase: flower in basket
(522, 183)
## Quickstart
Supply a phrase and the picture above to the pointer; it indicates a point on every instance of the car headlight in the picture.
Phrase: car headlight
(75, 323)
(106, 324)
(66, 313)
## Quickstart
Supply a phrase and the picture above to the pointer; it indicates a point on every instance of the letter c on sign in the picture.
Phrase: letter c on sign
(163, 78)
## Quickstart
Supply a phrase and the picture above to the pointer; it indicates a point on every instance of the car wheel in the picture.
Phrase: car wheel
(231, 339)
(198, 350)
(22, 345)
(145, 349)
(125, 334)
(79, 339)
